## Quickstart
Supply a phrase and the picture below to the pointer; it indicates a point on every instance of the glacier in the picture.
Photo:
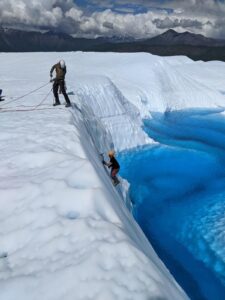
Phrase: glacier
(65, 231)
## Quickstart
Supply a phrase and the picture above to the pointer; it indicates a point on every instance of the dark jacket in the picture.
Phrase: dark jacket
(60, 73)
(113, 163)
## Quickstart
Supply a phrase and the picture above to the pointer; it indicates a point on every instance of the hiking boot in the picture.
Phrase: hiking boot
(56, 103)
(68, 105)
(115, 182)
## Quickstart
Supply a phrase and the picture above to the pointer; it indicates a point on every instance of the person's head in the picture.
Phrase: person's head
(62, 64)
(111, 153)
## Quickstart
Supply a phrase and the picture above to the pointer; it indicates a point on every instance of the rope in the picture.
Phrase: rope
(31, 109)
(23, 96)
(45, 98)
(85, 119)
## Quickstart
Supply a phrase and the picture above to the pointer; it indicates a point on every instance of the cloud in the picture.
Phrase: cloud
(111, 23)
(108, 25)
(40, 14)
(169, 22)
(136, 18)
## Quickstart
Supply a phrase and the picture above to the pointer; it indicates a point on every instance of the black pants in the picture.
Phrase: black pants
(60, 84)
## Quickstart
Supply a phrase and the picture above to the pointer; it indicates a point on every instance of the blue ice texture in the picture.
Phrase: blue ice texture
(178, 191)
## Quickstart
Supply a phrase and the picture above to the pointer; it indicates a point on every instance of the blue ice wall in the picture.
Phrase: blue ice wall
(178, 190)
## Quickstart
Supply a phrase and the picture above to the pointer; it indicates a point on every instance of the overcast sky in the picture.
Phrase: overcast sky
(133, 18)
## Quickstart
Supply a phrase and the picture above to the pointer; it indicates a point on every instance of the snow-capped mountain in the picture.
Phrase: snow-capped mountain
(171, 37)
(195, 46)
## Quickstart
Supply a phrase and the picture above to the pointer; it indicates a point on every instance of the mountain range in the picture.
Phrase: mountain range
(195, 46)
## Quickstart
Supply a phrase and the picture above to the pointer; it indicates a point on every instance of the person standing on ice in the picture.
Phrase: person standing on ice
(114, 165)
(59, 82)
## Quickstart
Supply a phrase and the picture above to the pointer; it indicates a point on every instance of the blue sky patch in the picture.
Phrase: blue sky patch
(119, 7)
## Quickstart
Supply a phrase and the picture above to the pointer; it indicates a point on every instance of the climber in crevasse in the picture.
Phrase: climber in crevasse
(114, 165)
